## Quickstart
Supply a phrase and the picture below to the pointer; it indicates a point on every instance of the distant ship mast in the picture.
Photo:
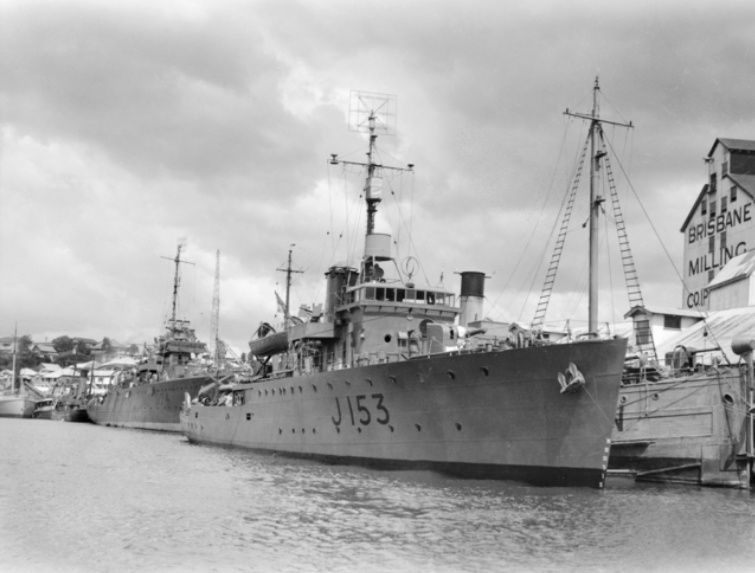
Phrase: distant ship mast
(215, 319)
(289, 271)
(177, 278)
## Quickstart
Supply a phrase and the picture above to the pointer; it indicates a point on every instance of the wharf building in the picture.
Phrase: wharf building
(719, 231)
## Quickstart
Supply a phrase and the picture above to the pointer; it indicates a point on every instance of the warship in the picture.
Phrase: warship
(395, 375)
(149, 396)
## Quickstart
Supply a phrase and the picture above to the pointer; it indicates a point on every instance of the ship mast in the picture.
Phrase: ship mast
(372, 113)
(215, 319)
(596, 199)
(289, 271)
(13, 378)
(177, 279)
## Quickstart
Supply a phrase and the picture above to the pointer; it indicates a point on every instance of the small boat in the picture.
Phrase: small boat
(149, 395)
(43, 409)
(15, 402)
(69, 399)
(43, 405)
(393, 374)
(15, 405)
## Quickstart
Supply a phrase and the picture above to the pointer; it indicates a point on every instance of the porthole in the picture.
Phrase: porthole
(623, 400)
(458, 427)
(656, 396)
(330, 385)
(393, 379)
(452, 375)
(248, 415)
(419, 428)
(359, 430)
(728, 399)
(369, 381)
(391, 428)
(388, 338)
(485, 371)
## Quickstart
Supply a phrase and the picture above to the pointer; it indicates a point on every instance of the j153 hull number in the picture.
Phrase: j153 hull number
(363, 410)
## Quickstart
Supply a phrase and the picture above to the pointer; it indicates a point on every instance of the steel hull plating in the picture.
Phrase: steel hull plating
(147, 406)
(491, 415)
(684, 430)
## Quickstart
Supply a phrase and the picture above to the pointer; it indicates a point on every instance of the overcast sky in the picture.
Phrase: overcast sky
(128, 125)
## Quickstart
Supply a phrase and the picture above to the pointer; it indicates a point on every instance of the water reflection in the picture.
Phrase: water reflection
(77, 497)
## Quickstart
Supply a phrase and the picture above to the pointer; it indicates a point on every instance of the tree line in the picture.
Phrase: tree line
(69, 351)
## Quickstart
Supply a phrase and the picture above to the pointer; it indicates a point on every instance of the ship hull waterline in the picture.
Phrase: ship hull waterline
(153, 406)
(497, 415)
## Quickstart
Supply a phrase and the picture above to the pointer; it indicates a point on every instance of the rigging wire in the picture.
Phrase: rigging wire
(561, 213)
(668, 255)
(535, 227)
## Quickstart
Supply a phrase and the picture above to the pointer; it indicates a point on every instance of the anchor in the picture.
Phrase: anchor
(572, 381)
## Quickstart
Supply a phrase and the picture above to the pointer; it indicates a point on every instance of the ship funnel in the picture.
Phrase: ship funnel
(472, 295)
(338, 279)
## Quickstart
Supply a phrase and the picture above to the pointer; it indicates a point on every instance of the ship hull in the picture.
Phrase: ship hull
(16, 407)
(70, 413)
(684, 430)
(147, 406)
(495, 415)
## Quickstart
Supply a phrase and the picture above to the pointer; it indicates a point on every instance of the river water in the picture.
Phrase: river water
(80, 497)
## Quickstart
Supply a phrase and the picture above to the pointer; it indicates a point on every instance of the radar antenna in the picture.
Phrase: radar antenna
(372, 112)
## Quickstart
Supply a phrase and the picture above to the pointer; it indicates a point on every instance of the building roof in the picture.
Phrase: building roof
(744, 182)
(721, 328)
(733, 144)
(738, 268)
(703, 193)
(669, 311)
(45, 347)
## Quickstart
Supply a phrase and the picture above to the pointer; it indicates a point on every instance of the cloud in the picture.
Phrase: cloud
(129, 125)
